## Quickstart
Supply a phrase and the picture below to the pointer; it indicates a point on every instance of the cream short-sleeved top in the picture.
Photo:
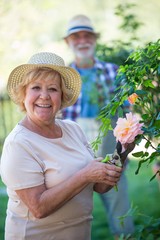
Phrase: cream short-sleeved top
(29, 160)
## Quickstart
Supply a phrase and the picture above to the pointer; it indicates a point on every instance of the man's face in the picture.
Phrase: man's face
(82, 44)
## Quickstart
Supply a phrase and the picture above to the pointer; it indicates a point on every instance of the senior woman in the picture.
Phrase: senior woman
(47, 164)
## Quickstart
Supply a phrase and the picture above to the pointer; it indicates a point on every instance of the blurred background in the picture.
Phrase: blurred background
(29, 26)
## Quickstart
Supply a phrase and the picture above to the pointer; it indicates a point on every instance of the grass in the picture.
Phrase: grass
(143, 194)
(3, 206)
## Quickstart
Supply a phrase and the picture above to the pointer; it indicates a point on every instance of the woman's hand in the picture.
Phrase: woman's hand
(103, 174)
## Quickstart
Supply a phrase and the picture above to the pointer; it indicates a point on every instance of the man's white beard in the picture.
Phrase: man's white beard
(82, 53)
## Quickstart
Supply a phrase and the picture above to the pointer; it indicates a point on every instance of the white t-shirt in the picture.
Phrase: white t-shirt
(29, 160)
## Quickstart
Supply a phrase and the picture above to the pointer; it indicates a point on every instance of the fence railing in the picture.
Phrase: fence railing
(8, 117)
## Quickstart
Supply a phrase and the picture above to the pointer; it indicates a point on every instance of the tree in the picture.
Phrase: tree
(119, 50)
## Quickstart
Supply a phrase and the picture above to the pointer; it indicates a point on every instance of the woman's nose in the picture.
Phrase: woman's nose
(44, 95)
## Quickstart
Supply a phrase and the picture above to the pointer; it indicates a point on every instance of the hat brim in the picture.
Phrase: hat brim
(97, 35)
(70, 76)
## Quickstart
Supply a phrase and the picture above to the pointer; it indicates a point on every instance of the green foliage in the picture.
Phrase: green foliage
(119, 50)
(117, 53)
(149, 228)
(143, 78)
(144, 196)
(130, 23)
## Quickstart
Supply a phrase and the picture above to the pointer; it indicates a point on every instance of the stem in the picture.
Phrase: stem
(149, 142)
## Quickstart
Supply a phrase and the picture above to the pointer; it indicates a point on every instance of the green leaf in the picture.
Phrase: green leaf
(147, 144)
(146, 154)
(148, 83)
(157, 173)
(157, 123)
(145, 116)
(138, 154)
(114, 108)
(120, 112)
(106, 159)
(139, 165)
(141, 92)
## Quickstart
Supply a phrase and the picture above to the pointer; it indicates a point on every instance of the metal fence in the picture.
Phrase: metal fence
(8, 115)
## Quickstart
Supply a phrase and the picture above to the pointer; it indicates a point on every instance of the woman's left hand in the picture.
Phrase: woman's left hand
(113, 174)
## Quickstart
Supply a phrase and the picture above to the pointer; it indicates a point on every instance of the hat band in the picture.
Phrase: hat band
(80, 28)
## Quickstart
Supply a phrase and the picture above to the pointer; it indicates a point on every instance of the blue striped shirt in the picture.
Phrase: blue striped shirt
(98, 86)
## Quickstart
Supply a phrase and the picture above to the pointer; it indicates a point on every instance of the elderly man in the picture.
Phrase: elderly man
(98, 87)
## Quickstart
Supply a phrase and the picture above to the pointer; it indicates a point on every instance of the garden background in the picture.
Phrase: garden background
(30, 26)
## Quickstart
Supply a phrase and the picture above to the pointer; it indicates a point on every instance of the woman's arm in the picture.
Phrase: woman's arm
(42, 201)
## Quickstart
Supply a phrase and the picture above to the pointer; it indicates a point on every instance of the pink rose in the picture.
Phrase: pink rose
(127, 129)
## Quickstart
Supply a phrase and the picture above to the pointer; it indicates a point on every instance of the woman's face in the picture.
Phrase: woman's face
(43, 99)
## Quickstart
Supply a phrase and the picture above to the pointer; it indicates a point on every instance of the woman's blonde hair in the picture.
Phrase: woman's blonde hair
(39, 73)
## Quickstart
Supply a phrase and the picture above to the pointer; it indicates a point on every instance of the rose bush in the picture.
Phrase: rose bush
(141, 77)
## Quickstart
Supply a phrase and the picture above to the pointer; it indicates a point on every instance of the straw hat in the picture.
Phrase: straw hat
(70, 76)
(80, 23)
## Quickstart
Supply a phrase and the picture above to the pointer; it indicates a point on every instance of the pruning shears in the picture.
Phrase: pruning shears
(116, 157)
(119, 157)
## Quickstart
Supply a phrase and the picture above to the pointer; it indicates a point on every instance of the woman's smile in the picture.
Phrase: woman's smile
(43, 105)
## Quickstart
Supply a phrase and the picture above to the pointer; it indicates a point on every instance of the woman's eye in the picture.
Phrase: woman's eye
(36, 87)
(52, 89)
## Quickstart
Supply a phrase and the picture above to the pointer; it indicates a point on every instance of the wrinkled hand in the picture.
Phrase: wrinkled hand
(98, 172)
